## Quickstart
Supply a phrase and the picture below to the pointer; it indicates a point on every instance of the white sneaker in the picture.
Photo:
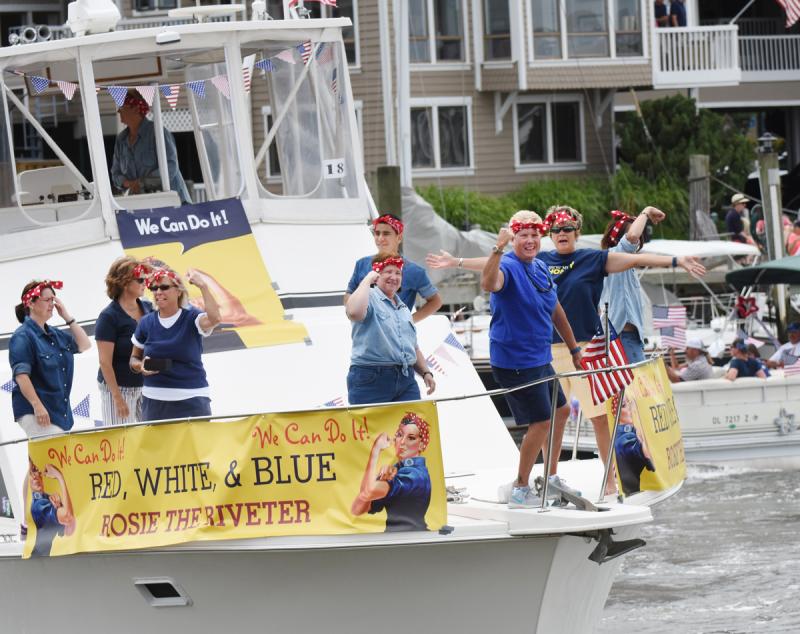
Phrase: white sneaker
(523, 498)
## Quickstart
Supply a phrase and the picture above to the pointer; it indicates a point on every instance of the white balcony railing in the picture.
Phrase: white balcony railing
(770, 58)
(696, 56)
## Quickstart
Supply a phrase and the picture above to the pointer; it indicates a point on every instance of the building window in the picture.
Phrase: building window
(441, 134)
(497, 30)
(436, 31)
(272, 164)
(154, 5)
(343, 9)
(628, 28)
(548, 131)
(587, 28)
(546, 29)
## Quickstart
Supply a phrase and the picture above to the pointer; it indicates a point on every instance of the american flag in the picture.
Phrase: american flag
(673, 337)
(40, 84)
(434, 364)
(451, 340)
(198, 87)
(171, 94)
(82, 408)
(665, 316)
(118, 94)
(337, 402)
(605, 384)
(792, 370)
(305, 51)
(792, 9)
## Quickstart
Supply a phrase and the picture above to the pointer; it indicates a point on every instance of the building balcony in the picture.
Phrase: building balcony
(770, 58)
(691, 57)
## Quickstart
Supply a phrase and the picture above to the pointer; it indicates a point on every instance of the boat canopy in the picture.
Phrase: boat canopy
(783, 271)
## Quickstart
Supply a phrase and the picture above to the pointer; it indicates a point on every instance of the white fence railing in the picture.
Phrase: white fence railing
(771, 57)
(696, 56)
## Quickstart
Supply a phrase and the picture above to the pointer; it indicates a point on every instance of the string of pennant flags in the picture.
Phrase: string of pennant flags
(171, 92)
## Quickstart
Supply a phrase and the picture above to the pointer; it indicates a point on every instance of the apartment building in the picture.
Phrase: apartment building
(506, 91)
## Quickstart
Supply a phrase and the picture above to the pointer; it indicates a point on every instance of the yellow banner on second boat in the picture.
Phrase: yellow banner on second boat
(325, 472)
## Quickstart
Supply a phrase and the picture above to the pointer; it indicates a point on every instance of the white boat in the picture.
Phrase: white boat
(537, 570)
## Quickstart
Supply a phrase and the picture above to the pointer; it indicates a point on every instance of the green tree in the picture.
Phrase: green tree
(677, 129)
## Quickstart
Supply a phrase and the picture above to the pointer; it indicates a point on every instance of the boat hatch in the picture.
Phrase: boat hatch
(162, 592)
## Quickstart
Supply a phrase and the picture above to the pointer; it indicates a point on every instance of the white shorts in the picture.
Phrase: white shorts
(33, 429)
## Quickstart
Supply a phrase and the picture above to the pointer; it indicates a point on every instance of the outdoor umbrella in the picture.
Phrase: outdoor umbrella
(783, 271)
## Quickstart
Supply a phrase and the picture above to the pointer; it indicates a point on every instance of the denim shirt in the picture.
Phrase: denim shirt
(623, 294)
(387, 336)
(136, 161)
(47, 358)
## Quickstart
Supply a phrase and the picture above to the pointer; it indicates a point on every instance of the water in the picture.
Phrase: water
(722, 556)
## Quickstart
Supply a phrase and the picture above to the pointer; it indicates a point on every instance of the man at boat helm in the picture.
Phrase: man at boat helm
(388, 232)
(788, 353)
(135, 153)
(696, 367)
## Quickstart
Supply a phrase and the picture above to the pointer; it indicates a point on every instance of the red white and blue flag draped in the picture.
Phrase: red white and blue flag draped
(666, 316)
(605, 384)
(673, 337)
(792, 10)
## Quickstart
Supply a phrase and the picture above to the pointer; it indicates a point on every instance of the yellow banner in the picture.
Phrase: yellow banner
(325, 472)
(215, 239)
(648, 448)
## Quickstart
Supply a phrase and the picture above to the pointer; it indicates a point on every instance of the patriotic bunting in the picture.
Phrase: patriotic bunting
(434, 364)
(221, 84)
(8, 386)
(287, 56)
(82, 408)
(171, 93)
(442, 352)
(247, 71)
(118, 94)
(305, 51)
(334, 86)
(198, 88)
(451, 340)
(337, 402)
(147, 93)
(40, 84)
(68, 88)
(325, 53)
(265, 65)
(605, 384)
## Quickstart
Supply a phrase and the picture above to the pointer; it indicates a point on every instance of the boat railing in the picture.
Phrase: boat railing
(552, 379)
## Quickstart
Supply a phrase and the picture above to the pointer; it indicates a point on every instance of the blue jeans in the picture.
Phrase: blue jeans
(633, 346)
(380, 384)
(167, 410)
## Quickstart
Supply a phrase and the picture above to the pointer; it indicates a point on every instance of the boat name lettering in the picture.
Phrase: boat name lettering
(179, 478)
(664, 416)
(258, 513)
(146, 227)
(275, 470)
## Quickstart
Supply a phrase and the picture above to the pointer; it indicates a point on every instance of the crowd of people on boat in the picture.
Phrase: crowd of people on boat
(544, 304)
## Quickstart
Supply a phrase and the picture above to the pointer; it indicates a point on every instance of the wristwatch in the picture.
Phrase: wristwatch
(496, 249)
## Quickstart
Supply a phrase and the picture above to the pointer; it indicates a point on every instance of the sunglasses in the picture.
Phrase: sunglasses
(162, 287)
(563, 229)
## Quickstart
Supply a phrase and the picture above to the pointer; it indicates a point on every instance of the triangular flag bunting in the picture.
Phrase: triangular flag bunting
(305, 51)
(8, 386)
(147, 93)
(198, 87)
(442, 352)
(68, 88)
(40, 84)
(82, 408)
(221, 83)
(247, 71)
(265, 65)
(451, 340)
(171, 94)
(118, 94)
(287, 56)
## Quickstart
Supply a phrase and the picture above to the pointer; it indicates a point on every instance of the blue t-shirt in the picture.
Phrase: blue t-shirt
(748, 367)
(678, 9)
(522, 315)
(115, 325)
(181, 342)
(579, 277)
(46, 356)
(415, 280)
(408, 498)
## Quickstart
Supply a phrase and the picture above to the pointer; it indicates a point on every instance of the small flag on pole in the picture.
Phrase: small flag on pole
(665, 316)
(40, 84)
(68, 88)
(221, 84)
(605, 384)
(118, 94)
(792, 10)
(305, 51)
(198, 87)
(148, 93)
(171, 94)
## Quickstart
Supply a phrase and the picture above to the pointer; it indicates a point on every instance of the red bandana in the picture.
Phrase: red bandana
(140, 271)
(396, 261)
(559, 218)
(392, 222)
(424, 430)
(157, 274)
(33, 293)
(517, 226)
(137, 102)
(621, 218)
